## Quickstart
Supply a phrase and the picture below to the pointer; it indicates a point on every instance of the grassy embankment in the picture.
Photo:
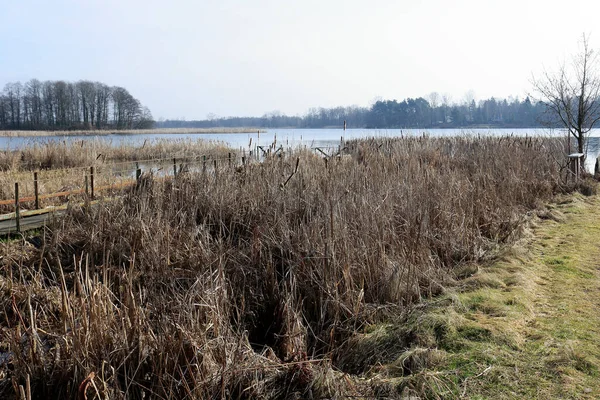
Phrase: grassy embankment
(129, 132)
(292, 278)
(525, 325)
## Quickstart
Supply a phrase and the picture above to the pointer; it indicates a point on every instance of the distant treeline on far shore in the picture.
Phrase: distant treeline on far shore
(409, 113)
(60, 105)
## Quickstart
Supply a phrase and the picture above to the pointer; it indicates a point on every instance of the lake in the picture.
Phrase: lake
(301, 137)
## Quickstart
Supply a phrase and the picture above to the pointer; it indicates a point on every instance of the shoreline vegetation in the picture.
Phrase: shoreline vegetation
(86, 105)
(108, 132)
(411, 113)
(289, 278)
(62, 166)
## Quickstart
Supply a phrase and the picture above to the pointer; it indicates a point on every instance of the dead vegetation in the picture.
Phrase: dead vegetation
(52, 155)
(264, 281)
(62, 166)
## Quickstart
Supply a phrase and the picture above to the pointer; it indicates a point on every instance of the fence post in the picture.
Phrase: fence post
(92, 182)
(36, 190)
(203, 164)
(17, 210)
(174, 167)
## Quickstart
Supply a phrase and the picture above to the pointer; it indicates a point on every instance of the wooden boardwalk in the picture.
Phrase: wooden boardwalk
(9, 226)
(35, 219)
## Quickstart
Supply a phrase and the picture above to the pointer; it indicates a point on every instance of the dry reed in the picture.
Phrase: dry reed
(62, 166)
(248, 282)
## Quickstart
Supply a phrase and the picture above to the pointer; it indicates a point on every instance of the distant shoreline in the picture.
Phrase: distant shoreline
(218, 130)
(108, 132)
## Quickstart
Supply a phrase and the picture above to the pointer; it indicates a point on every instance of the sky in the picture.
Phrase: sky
(191, 58)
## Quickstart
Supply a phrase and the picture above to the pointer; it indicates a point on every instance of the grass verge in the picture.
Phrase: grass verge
(525, 326)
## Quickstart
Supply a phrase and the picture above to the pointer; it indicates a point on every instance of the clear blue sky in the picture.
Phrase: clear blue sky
(187, 58)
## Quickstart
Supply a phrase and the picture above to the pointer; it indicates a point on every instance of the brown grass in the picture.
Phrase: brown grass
(252, 282)
(62, 166)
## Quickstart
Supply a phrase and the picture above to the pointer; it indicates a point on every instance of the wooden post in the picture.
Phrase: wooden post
(36, 191)
(17, 210)
(229, 159)
(215, 164)
(87, 189)
(203, 164)
(174, 167)
(92, 182)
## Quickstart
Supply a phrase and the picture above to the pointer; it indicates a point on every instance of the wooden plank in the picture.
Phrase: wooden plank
(49, 209)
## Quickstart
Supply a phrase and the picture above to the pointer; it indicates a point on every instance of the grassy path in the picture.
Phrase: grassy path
(535, 316)
(526, 326)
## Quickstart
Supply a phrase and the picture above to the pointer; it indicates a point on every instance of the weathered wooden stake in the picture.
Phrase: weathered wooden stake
(92, 182)
(203, 164)
(36, 191)
(174, 166)
(229, 159)
(17, 210)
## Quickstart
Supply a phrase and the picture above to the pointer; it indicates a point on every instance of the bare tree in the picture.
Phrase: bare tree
(572, 95)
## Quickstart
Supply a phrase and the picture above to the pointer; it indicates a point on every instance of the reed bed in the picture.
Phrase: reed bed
(252, 282)
(53, 155)
(129, 132)
(62, 166)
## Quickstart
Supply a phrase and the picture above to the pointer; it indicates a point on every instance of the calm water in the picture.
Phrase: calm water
(301, 137)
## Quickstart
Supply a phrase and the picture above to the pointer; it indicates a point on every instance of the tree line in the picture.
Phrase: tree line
(60, 105)
(434, 112)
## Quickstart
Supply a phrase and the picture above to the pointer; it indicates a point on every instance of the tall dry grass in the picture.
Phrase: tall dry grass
(84, 153)
(250, 282)
(62, 166)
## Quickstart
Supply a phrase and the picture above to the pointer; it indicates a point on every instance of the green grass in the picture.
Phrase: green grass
(526, 326)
